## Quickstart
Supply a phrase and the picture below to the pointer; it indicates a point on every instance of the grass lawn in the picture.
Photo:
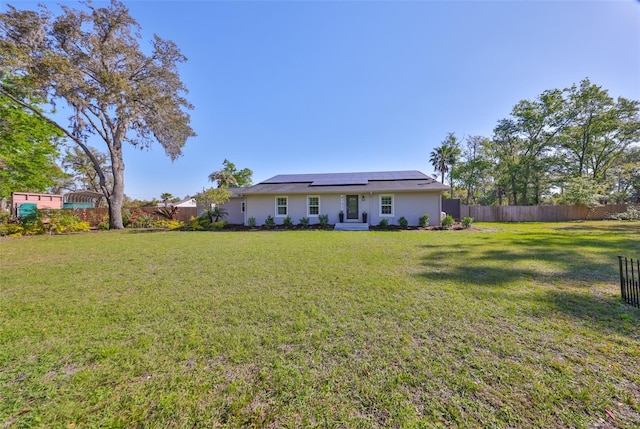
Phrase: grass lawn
(507, 325)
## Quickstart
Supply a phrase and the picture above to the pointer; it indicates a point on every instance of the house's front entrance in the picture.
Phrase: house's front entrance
(352, 207)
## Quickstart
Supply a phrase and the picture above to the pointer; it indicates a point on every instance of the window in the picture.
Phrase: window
(242, 206)
(386, 205)
(313, 206)
(281, 206)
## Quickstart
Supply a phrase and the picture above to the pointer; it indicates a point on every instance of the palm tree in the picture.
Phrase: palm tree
(165, 197)
(438, 159)
(444, 157)
(224, 178)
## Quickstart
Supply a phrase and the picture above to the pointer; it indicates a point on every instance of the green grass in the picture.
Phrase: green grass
(508, 325)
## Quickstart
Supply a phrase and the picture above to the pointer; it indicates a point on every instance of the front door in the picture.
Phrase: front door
(352, 207)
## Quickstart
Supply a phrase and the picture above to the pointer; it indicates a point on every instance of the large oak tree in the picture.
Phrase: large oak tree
(28, 151)
(91, 60)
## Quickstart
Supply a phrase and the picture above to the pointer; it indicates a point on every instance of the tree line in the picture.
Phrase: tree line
(576, 145)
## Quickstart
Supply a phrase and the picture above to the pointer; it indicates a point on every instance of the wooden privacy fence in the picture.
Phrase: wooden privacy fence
(540, 213)
(95, 215)
(630, 280)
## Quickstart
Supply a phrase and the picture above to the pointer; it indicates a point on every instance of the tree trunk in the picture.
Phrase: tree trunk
(116, 198)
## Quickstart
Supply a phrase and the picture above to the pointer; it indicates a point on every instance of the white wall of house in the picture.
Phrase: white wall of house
(260, 206)
(235, 215)
(410, 205)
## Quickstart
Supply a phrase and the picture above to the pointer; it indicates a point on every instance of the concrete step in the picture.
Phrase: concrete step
(351, 226)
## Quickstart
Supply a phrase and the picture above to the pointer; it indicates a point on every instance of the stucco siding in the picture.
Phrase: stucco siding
(260, 206)
(235, 216)
(410, 205)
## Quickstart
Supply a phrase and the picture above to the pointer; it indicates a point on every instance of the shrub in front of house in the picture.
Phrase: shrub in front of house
(324, 220)
(304, 222)
(217, 225)
(466, 222)
(195, 224)
(287, 222)
(383, 224)
(423, 220)
(403, 222)
(447, 222)
(252, 222)
(269, 222)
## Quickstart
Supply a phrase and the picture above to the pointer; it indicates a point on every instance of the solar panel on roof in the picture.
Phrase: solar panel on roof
(346, 178)
(337, 181)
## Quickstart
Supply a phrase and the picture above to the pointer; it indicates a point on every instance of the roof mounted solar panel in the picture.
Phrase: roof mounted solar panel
(339, 181)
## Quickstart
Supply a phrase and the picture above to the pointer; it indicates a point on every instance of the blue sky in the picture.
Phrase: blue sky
(333, 86)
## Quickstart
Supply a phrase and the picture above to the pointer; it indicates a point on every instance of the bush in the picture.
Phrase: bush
(447, 222)
(304, 222)
(424, 220)
(217, 213)
(11, 229)
(51, 221)
(269, 222)
(287, 222)
(467, 221)
(384, 223)
(217, 225)
(632, 213)
(143, 221)
(103, 225)
(80, 226)
(196, 223)
(61, 221)
(403, 222)
(324, 220)
(252, 222)
(127, 218)
(169, 224)
(168, 213)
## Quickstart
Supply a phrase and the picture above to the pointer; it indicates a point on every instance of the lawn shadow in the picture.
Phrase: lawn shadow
(568, 265)
(605, 311)
(616, 226)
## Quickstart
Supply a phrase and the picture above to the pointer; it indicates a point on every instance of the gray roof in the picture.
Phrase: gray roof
(382, 181)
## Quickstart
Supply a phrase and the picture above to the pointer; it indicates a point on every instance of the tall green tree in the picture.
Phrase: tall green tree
(29, 147)
(444, 157)
(599, 131)
(523, 146)
(626, 177)
(473, 172)
(91, 60)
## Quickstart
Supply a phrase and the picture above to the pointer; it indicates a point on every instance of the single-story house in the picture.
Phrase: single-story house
(187, 202)
(364, 198)
(25, 203)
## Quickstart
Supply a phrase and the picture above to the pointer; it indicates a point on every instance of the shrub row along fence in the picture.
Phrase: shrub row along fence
(96, 215)
(540, 213)
(630, 280)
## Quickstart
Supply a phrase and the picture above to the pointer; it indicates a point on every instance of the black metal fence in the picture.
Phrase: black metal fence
(630, 280)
